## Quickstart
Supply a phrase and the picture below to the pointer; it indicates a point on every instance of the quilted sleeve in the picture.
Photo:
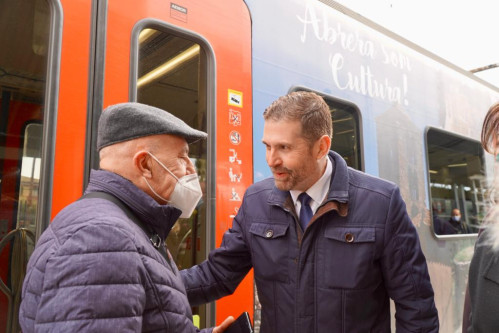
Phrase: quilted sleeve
(406, 273)
(93, 283)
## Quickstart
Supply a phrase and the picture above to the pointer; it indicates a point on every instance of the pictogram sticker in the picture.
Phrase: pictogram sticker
(235, 177)
(234, 196)
(235, 98)
(233, 158)
(235, 137)
(234, 118)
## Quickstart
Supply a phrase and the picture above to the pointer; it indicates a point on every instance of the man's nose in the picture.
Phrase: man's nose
(190, 168)
(273, 158)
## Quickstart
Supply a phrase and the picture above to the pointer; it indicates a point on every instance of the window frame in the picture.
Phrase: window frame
(49, 122)
(428, 178)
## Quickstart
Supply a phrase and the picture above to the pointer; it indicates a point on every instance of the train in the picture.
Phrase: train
(399, 112)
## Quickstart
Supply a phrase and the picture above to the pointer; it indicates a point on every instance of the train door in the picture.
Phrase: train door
(27, 87)
(193, 59)
(23, 78)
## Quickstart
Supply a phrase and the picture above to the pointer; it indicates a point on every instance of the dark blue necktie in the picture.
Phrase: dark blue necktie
(305, 210)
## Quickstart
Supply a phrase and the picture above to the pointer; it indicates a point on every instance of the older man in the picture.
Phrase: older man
(329, 245)
(102, 265)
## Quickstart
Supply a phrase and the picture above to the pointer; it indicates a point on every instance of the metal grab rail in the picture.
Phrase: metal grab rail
(19, 262)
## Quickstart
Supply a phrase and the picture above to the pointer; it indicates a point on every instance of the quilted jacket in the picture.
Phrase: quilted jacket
(95, 270)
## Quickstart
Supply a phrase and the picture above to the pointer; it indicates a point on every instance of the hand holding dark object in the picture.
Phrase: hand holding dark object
(224, 325)
(241, 325)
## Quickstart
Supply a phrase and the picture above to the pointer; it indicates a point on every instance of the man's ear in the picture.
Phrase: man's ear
(324, 146)
(143, 163)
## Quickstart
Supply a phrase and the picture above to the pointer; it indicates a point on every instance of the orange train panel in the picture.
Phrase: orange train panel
(72, 110)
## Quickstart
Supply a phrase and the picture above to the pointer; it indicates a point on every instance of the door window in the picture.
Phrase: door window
(172, 75)
(24, 39)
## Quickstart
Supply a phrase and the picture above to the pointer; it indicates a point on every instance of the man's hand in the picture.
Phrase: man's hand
(223, 326)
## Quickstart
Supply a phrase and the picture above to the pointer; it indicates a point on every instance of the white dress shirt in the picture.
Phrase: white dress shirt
(317, 192)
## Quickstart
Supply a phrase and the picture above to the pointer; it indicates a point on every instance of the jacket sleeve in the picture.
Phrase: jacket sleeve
(224, 269)
(94, 282)
(406, 273)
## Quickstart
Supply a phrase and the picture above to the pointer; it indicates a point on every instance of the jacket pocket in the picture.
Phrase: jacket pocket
(348, 254)
(269, 249)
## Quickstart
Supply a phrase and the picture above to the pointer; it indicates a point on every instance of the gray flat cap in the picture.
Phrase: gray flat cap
(127, 121)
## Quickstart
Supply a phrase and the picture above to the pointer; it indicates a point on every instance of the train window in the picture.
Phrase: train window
(346, 130)
(25, 27)
(172, 75)
(457, 182)
(346, 139)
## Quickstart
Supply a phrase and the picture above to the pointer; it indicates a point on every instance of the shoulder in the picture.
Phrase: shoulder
(371, 184)
(266, 185)
(88, 214)
(489, 238)
(84, 245)
(90, 226)
(87, 243)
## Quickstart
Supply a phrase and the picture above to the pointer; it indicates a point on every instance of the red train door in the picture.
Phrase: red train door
(193, 59)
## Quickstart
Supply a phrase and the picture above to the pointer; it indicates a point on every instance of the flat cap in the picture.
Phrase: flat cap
(128, 121)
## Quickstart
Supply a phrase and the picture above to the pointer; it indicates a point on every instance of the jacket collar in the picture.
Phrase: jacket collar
(337, 197)
(160, 217)
(338, 190)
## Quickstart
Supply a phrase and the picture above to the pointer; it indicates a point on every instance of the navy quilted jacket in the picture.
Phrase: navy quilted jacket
(359, 250)
(95, 270)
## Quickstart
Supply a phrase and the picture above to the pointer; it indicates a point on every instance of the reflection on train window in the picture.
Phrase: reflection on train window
(457, 182)
(172, 75)
(23, 69)
(30, 176)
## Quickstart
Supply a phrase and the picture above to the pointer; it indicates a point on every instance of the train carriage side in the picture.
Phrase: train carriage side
(398, 112)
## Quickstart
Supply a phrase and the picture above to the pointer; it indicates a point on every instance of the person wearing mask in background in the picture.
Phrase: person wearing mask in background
(101, 266)
(459, 226)
(482, 296)
(329, 245)
(441, 227)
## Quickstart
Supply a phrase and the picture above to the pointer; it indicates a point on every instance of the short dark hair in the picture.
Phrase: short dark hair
(490, 129)
(308, 108)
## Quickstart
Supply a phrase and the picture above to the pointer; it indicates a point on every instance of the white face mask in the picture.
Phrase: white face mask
(456, 218)
(186, 194)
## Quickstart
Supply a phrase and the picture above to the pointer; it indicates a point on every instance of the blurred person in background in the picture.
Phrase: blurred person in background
(441, 227)
(482, 297)
(457, 223)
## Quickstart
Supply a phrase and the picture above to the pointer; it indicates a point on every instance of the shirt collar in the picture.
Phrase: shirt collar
(319, 190)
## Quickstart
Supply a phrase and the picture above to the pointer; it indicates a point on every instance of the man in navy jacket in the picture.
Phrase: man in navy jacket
(327, 263)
